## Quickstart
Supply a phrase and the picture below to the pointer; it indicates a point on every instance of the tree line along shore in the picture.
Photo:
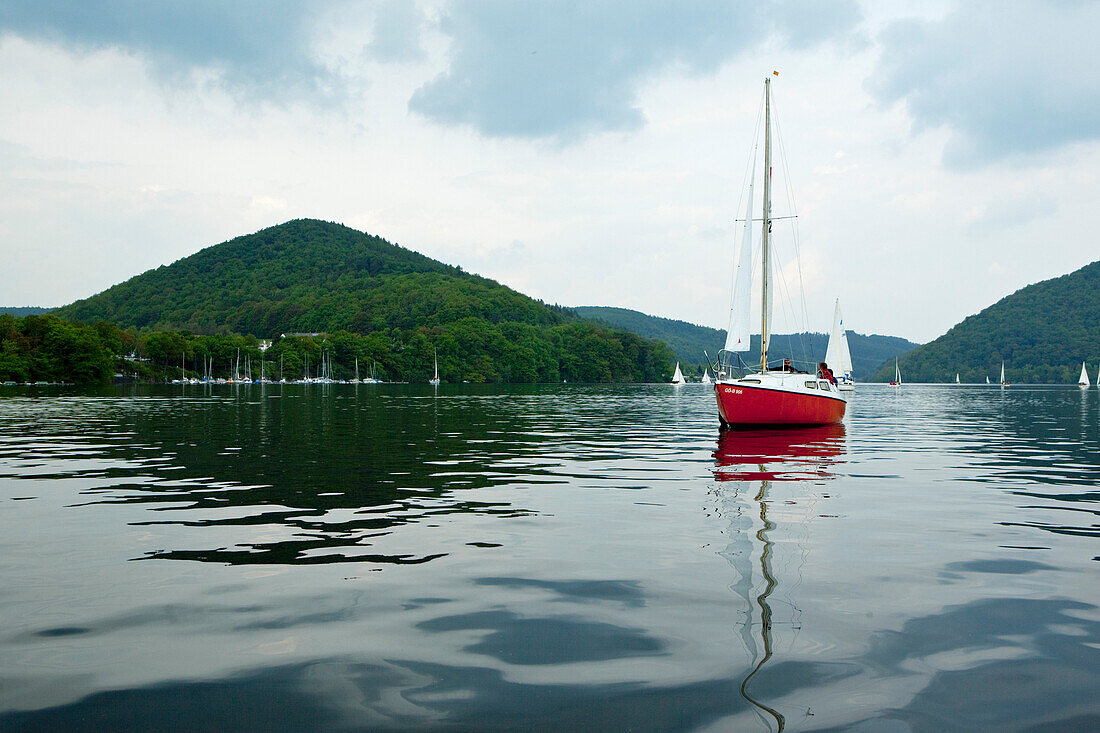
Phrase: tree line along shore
(47, 348)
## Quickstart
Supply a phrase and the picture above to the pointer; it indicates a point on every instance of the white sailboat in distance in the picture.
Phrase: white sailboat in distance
(706, 377)
(678, 376)
(837, 355)
(435, 378)
(1083, 381)
(1003, 382)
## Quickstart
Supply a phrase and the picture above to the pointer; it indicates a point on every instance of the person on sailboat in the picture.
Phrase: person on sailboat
(825, 372)
(787, 365)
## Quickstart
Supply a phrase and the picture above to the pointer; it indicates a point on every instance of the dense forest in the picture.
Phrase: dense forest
(1041, 332)
(688, 341)
(307, 276)
(49, 349)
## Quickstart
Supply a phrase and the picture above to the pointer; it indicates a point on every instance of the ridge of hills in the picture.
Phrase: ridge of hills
(313, 277)
(688, 340)
(23, 310)
(1042, 333)
(307, 276)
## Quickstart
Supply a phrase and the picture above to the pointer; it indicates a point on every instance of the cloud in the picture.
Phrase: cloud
(255, 48)
(564, 70)
(1006, 79)
(397, 28)
(1006, 212)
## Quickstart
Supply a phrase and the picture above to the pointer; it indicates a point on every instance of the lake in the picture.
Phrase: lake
(550, 557)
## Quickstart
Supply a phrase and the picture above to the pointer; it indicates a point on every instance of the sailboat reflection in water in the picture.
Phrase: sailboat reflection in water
(752, 461)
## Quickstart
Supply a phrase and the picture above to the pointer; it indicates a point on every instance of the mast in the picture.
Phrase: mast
(767, 219)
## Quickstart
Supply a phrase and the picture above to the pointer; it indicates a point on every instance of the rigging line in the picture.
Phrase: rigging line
(787, 304)
(797, 252)
(751, 160)
(794, 228)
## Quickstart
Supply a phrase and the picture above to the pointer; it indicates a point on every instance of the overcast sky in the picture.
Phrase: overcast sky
(942, 155)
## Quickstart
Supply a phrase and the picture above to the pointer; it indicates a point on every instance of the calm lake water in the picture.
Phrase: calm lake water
(553, 558)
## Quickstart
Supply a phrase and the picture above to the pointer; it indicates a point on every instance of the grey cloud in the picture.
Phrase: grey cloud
(563, 70)
(260, 48)
(1007, 79)
(397, 28)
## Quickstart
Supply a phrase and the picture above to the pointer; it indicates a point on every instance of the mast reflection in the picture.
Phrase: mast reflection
(766, 456)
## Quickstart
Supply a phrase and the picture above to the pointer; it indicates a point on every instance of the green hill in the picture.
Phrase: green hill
(308, 276)
(20, 311)
(688, 340)
(1042, 333)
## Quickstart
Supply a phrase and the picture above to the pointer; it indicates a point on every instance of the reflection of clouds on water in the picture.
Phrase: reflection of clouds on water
(583, 578)
(992, 665)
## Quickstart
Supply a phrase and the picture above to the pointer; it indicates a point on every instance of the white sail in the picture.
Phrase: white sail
(987, 380)
(1098, 378)
(837, 355)
(845, 353)
(706, 377)
(1003, 373)
(956, 378)
(678, 376)
(1083, 380)
(897, 372)
(737, 335)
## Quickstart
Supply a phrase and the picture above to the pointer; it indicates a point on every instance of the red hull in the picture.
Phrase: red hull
(742, 405)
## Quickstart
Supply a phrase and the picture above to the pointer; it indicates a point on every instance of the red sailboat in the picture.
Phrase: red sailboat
(768, 397)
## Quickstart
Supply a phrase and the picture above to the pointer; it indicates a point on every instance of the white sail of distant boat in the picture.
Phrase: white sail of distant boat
(1003, 382)
(957, 378)
(1098, 378)
(837, 355)
(1083, 381)
(706, 377)
(897, 373)
(678, 376)
(435, 379)
(987, 380)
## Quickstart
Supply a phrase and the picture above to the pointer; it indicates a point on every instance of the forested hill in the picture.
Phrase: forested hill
(688, 340)
(309, 276)
(306, 276)
(1042, 333)
(24, 310)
